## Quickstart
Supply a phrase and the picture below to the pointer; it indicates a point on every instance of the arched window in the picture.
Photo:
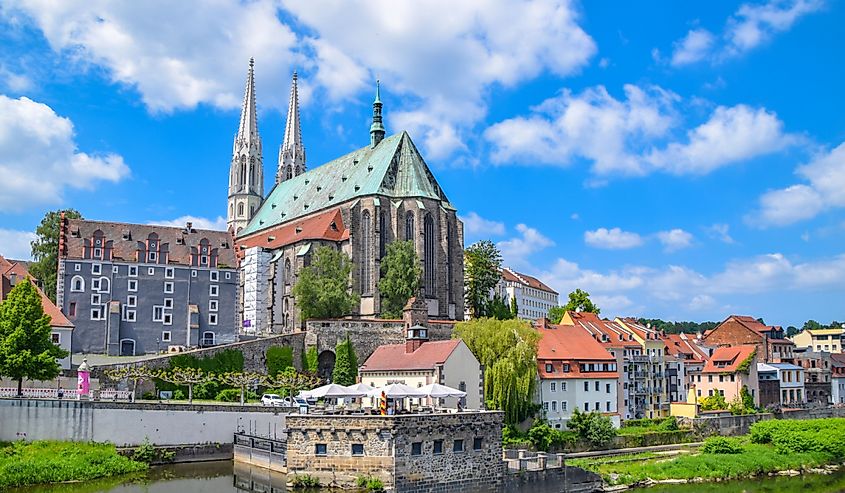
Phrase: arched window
(409, 226)
(366, 253)
(430, 246)
(104, 285)
(449, 235)
(288, 172)
(287, 275)
(243, 171)
(231, 211)
(77, 284)
(241, 209)
(382, 231)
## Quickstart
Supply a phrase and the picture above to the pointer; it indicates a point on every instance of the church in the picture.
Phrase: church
(357, 203)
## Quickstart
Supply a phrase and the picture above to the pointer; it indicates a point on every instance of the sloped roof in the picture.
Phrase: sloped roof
(511, 275)
(18, 269)
(392, 357)
(324, 226)
(608, 333)
(730, 356)
(571, 343)
(682, 344)
(393, 168)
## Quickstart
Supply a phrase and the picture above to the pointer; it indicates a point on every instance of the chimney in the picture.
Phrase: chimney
(415, 336)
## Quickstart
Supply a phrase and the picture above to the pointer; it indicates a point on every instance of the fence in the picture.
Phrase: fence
(260, 451)
(72, 394)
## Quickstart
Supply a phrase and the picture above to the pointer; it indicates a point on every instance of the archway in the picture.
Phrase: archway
(325, 364)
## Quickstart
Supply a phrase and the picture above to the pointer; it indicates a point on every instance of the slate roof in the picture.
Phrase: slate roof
(392, 357)
(18, 270)
(731, 356)
(394, 168)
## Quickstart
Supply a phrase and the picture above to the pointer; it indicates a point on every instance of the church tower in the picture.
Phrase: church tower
(291, 152)
(246, 175)
(377, 128)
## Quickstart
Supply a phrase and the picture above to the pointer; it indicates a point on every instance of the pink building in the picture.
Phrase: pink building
(729, 369)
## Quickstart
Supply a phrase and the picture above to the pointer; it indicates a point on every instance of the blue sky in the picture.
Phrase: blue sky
(676, 160)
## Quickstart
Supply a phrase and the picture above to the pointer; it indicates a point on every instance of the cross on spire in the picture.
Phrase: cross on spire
(292, 150)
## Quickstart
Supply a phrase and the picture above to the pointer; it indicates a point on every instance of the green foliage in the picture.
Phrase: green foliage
(400, 278)
(345, 364)
(721, 445)
(746, 363)
(556, 314)
(677, 327)
(592, 427)
(543, 437)
(370, 483)
(669, 424)
(178, 395)
(241, 380)
(715, 402)
(23, 463)
(514, 307)
(185, 376)
(791, 331)
(512, 438)
(498, 309)
(290, 382)
(797, 436)
(26, 350)
(743, 403)
(305, 481)
(579, 301)
(322, 290)
(222, 362)
(278, 359)
(45, 250)
(507, 350)
(311, 359)
(234, 395)
(482, 267)
(148, 453)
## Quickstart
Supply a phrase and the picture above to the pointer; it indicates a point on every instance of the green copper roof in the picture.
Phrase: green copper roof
(394, 168)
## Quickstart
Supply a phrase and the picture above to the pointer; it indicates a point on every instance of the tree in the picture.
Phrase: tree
(242, 380)
(45, 250)
(346, 363)
(185, 377)
(811, 325)
(498, 309)
(592, 427)
(322, 290)
(278, 359)
(401, 273)
(579, 301)
(26, 348)
(556, 314)
(514, 308)
(310, 360)
(133, 373)
(293, 381)
(715, 402)
(507, 350)
(791, 331)
(483, 269)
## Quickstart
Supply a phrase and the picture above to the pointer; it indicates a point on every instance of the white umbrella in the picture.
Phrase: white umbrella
(438, 391)
(396, 391)
(332, 390)
(361, 387)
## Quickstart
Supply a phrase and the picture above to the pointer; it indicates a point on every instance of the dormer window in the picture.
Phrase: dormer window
(550, 368)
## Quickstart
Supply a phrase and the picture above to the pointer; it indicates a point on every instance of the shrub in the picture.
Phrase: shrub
(669, 424)
(305, 481)
(592, 427)
(512, 438)
(278, 358)
(207, 390)
(795, 436)
(370, 483)
(721, 445)
(179, 395)
(234, 395)
(148, 396)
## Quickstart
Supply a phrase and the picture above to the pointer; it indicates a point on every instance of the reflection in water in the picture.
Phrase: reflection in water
(223, 477)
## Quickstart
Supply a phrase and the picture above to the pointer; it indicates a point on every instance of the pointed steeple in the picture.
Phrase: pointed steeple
(377, 128)
(292, 151)
(248, 129)
(246, 174)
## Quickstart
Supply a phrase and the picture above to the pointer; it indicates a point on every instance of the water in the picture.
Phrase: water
(223, 477)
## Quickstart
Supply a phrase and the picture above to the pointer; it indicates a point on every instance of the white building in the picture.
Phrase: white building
(575, 372)
(534, 299)
(419, 362)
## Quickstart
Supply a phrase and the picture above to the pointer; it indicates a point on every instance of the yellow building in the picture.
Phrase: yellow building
(829, 340)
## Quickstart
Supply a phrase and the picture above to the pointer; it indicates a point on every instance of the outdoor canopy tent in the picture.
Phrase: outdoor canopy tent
(437, 391)
(332, 390)
(361, 387)
(396, 391)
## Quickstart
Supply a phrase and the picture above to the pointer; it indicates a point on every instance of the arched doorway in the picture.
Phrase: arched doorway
(325, 364)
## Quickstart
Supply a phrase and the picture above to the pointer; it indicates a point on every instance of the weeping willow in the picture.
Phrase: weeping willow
(508, 351)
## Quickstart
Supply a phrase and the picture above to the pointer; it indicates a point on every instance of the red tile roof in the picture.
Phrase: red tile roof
(607, 332)
(327, 225)
(727, 359)
(511, 275)
(571, 343)
(684, 345)
(393, 356)
(18, 270)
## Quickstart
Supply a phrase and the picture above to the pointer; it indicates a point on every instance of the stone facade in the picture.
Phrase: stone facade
(411, 453)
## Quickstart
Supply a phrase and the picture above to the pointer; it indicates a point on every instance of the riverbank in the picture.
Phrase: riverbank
(772, 447)
(40, 462)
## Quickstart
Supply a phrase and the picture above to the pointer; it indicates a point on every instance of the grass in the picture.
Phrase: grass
(23, 464)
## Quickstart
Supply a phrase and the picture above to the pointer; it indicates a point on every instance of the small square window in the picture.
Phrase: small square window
(133, 271)
(212, 319)
(151, 271)
(133, 285)
(95, 299)
(55, 338)
(357, 449)
(168, 319)
(77, 267)
(458, 446)
(168, 302)
(95, 284)
(416, 448)
(212, 305)
(129, 315)
(168, 287)
(114, 270)
(476, 443)
(438, 446)
(228, 275)
(96, 268)
(204, 260)
(165, 336)
(320, 449)
(213, 276)
(98, 253)
(213, 290)
(168, 273)
(132, 301)
(193, 273)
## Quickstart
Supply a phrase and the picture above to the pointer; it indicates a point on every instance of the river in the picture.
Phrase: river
(223, 477)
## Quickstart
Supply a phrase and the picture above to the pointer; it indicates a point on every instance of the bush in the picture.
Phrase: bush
(234, 395)
(796, 436)
(370, 483)
(512, 438)
(721, 445)
(207, 390)
(305, 481)
(179, 395)
(149, 396)
(278, 358)
(592, 427)
(669, 424)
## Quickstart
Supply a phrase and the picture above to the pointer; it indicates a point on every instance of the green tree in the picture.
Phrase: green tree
(579, 301)
(45, 250)
(292, 382)
(507, 350)
(401, 273)
(556, 314)
(186, 377)
(514, 308)
(483, 269)
(242, 380)
(345, 364)
(592, 427)
(715, 402)
(791, 331)
(811, 325)
(26, 349)
(278, 359)
(322, 290)
(498, 309)
(310, 360)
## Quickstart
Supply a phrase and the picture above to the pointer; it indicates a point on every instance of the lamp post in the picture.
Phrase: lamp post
(158, 345)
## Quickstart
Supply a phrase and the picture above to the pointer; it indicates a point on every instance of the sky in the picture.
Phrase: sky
(677, 160)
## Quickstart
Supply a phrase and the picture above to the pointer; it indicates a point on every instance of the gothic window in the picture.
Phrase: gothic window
(366, 253)
(252, 171)
(430, 246)
(409, 226)
(288, 172)
(241, 209)
(382, 241)
(251, 211)
(287, 274)
(231, 211)
(243, 171)
(449, 235)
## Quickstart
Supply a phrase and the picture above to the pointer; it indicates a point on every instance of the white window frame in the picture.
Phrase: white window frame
(95, 284)
(104, 281)
(214, 290)
(114, 270)
(169, 272)
(96, 269)
(212, 319)
(98, 252)
(166, 336)
(228, 275)
(98, 313)
(203, 260)
(213, 305)
(168, 287)
(194, 273)
(132, 286)
(160, 310)
(214, 276)
(133, 271)
(77, 267)
(151, 271)
(96, 299)
(131, 301)
(81, 284)
(167, 319)
(168, 303)
(129, 315)
(153, 256)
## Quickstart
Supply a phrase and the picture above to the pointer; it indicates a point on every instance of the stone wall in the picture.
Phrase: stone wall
(388, 450)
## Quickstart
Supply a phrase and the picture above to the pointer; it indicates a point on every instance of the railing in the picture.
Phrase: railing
(524, 460)
(70, 394)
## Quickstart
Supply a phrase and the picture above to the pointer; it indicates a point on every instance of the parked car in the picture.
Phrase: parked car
(271, 400)
(296, 402)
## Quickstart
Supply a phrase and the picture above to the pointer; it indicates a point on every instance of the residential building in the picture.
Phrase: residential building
(790, 380)
(829, 340)
(729, 369)
(817, 376)
(772, 347)
(534, 298)
(575, 372)
(358, 204)
(837, 378)
(419, 362)
(689, 349)
(61, 329)
(768, 385)
(135, 289)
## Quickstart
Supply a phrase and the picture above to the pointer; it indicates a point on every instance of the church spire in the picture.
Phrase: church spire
(246, 174)
(376, 129)
(292, 151)
(248, 129)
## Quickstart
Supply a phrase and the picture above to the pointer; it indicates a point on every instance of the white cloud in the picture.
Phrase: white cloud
(476, 225)
(515, 251)
(612, 239)
(694, 47)
(826, 180)
(16, 244)
(721, 232)
(218, 224)
(748, 28)
(39, 158)
(675, 239)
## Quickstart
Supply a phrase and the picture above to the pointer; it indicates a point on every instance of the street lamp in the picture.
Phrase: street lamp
(158, 345)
